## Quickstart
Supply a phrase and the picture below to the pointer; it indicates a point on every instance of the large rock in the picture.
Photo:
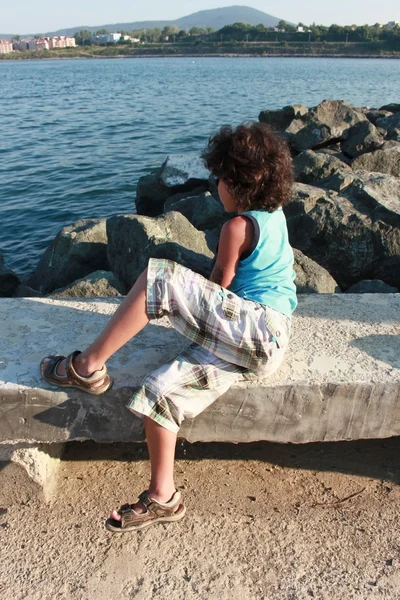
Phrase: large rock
(385, 160)
(391, 125)
(310, 166)
(393, 107)
(373, 114)
(371, 286)
(311, 278)
(178, 174)
(380, 193)
(280, 120)
(9, 281)
(203, 211)
(320, 126)
(133, 239)
(362, 137)
(76, 251)
(102, 284)
(349, 237)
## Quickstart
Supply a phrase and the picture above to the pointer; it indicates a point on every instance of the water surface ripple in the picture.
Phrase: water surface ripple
(76, 135)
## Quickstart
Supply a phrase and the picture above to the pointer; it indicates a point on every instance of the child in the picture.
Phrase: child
(238, 320)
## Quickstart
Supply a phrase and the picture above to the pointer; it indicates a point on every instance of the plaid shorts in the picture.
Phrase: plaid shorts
(230, 336)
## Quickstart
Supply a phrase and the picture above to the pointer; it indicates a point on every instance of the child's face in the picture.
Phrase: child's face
(226, 197)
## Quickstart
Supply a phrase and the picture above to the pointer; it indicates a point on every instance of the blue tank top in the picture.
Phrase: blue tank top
(265, 274)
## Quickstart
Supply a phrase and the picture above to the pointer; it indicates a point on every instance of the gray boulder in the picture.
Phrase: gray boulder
(388, 270)
(393, 107)
(386, 160)
(76, 251)
(348, 237)
(320, 126)
(311, 278)
(180, 173)
(371, 286)
(133, 239)
(391, 125)
(9, 281)
(335, 151)
(279, 120)
(378, 192)
(310, 166)
(362, 137)
(98, 284)
(24, 291)
(203, 211)
(373, 114)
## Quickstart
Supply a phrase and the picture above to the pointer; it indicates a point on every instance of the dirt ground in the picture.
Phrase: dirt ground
(264, 522)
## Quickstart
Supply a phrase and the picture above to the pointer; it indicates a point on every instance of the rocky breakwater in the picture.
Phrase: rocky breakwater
(343, 219)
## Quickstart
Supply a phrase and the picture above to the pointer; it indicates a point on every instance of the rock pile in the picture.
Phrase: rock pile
(343, 220)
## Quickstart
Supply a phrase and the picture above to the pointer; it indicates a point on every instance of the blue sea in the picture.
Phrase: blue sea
(76, 135)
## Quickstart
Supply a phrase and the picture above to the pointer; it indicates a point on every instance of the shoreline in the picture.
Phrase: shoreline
(204, 55)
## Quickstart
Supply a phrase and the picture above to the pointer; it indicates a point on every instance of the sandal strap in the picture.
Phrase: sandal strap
(156, 508)
(86, 382)
(52, 365)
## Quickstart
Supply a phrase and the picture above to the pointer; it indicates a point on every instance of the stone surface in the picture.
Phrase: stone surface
(76, 251)
(41, 462)
(371, 286)
(180, 173)
(280, 120)
(350, 237)
(340, 379)
(311, 278)
(98, 284)
(184, 170)
(391, 125)
(310, 166)
(373, 114)
(393, 107)
(203, 211)
(383, 161)
(362, 137)
(133, 239)
(328, 122)
(9, 281)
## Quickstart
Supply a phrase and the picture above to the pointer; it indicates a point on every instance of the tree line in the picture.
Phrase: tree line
(241, 32)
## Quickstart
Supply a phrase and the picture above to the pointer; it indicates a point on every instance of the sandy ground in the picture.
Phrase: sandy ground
(264, 522)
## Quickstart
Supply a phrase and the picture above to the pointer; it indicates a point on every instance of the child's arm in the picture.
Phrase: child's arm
(236, 237)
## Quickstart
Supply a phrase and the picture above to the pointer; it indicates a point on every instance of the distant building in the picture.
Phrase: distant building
(392, 24)
(39, 44)
(107, 38)
(20, 45)
(62, 41)
(300, 28)
(5, 47)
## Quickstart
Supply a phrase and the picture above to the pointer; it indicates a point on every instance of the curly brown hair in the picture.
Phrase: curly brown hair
(254, 163)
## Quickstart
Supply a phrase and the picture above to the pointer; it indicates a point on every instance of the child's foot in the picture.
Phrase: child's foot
(76, 371)
(147, 511)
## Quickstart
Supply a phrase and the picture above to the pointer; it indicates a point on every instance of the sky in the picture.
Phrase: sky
(40, 16)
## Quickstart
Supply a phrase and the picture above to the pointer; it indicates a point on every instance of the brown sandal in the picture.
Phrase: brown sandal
(156, 512)
(72, 378)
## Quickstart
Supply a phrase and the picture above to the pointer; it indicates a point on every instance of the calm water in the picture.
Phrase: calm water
(76, 135)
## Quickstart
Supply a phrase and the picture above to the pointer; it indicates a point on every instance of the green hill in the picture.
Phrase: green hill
(216, 18)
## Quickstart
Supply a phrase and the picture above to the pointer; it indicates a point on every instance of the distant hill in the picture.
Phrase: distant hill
(216, 18)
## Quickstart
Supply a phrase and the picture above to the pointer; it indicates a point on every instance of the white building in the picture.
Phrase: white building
(5, 47)
(62, 41)
(107, 38)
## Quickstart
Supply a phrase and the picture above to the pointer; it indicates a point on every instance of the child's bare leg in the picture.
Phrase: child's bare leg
(127, 321)
(161, 444)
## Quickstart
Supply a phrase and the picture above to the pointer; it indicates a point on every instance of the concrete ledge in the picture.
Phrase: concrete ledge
(340, 380)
